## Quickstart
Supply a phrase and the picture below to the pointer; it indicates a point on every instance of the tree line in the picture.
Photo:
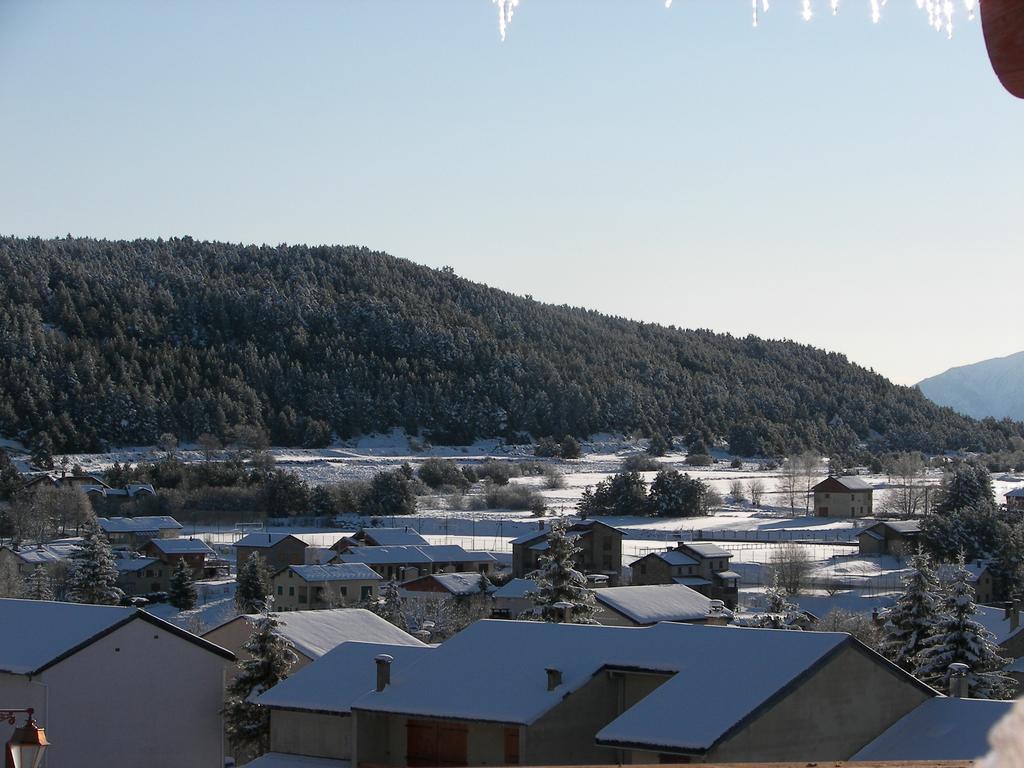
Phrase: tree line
(115, 342)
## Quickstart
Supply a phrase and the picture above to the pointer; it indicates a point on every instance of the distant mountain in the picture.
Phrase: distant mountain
(114, 343)
(990, 388)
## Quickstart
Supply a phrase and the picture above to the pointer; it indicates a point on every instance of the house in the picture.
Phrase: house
(113, 686)
(448, 585)
(310, 711)
(313, 633)
(53, 556)
(142, 575)
(65, 481)
(380, 537)
(940, 729)
(1015, 500)
(643, 606)
(600, 550)
(314, 587)
(133, 532)
(130, 491)
(843, 497)
(169, 551)
(700, 565)
(1005, 626)
(405, 562)
(538, 693)
(279, 550)
(890, 537)
(510, 600)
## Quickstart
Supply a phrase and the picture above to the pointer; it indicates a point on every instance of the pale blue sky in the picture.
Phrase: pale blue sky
(853, 186)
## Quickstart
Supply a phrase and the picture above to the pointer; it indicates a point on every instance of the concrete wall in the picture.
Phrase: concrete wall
(310, 733)
(830, 716)
(285, 553)
(288, 591)
(140, 696)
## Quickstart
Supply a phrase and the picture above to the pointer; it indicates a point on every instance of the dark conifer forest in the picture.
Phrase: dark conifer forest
(115, 343)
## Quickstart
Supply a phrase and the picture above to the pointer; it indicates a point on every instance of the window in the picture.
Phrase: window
(343, 591)
(365, 593)
(280, 589)
(291, 591)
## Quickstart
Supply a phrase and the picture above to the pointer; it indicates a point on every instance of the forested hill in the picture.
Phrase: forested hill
(108, 343)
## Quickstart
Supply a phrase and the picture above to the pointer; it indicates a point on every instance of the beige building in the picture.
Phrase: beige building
(843, 497)
(134, 532)
(699, 565)
(54, 557)
(600, 550)
(534, 693)
(315, 587)
(407, 562)
(313, 633)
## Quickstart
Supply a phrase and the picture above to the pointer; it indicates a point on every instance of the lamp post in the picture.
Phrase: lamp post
(27, 744)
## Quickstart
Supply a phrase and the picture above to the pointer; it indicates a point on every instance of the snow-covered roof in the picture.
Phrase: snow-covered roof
(939, 729)
(390, 537)
(181, 546)
(315, 633)
(431, 553)
(137, 524)
(675, 557)
(284, 760)
(706, 549)
(338, 678)
(516, 588)
(494, 670)
(263, 540)
(851, 483)
(899, 526)
(335, 572)
(651, 604)
(1016, 493)
(40, 554)
(531, 535)
(454, 583)
(38, 633)
(995, 621)
(132, 564)
(728, 575)
(691, 581)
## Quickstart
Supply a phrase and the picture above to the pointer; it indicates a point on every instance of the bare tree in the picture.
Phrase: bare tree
(789, 483)
(756, 490)
(809, 469)
(167, 443)
(907, 497)
(209, 444)
(790, 566)
(736, 491)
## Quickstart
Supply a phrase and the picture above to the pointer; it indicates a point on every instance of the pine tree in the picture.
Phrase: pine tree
(253, 584)
(38, 585)
(182, 595)
(958, 637)
(911, 619)
(559, 582)
(93, 574)
(246, 723)
(389, 607)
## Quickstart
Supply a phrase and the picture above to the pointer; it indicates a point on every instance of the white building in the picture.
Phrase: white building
(112, 686)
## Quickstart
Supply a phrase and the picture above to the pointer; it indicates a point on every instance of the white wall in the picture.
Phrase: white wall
(140, 696)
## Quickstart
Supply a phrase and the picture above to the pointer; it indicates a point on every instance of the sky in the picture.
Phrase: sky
(853, 186)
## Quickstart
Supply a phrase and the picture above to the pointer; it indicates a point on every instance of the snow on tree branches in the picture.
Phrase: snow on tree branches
(38, 585)
(93, 575)
(182, 594)
(910, 620)
(559, 584)
(253, 584)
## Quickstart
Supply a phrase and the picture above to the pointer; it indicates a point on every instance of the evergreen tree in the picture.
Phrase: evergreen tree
(93, 574)
(389, 607)
(246, 723)
(558, 581)
(679, 495)
(909, 622)
(966, 485)
(182, 593)
(10, 478)
(958, 637)
(390, 493)
(253, 584)
(38, 585)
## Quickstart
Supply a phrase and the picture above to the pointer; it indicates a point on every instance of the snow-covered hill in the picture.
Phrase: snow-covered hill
(989, 388)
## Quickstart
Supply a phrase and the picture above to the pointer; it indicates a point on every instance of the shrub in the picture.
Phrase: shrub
(437, 473)
(699, 460)
(640, 463)
(659, 446)
(570, 448)
(553, 479)
(547, 447)
(390, 493)
(498, 472)
(514, 497)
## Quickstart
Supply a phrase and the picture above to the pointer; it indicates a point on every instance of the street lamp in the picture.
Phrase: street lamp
(27, 744)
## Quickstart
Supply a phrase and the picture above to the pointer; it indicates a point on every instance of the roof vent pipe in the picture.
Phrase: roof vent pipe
(959, 687)
(554, 678)
(383, 662)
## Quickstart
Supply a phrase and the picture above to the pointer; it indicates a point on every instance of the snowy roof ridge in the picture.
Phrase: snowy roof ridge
(462, 680)
(50, 632)
(654, 603)
(137, 524)
(335, 572)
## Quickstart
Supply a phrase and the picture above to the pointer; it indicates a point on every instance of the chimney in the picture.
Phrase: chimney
(564, 609)
(554, 678)
(383, 670)
(716, 614)
(1007, 610)
(959, 688)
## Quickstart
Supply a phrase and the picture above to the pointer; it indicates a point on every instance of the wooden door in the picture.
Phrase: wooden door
(435, 745)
